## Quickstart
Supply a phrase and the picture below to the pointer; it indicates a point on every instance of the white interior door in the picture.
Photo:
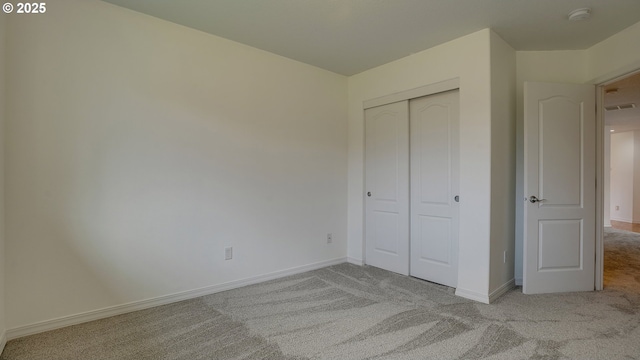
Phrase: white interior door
(434, 188)
(387, 187)
(559, 210)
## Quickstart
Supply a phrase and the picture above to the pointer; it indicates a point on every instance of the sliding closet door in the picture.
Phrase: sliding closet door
(387, 187)
(434, 188)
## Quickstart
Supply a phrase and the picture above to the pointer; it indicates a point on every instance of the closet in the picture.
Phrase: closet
(411, 185)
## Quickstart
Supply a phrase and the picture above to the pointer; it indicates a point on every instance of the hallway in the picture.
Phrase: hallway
(621, 260)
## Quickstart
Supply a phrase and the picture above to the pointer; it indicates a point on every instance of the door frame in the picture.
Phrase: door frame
(600, 129)
(426, 90)
(599, 266)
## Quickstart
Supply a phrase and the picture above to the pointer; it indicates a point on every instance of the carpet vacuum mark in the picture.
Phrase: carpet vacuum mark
(352, 312)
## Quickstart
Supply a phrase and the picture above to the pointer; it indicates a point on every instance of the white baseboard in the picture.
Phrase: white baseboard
(504, 288)
(518, 281)
(161, 300)
(3, 340)
(355, 261)
(472, 295)
(622, 220)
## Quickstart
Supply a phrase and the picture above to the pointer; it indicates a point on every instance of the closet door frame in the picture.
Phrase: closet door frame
(442, 86)
(434, 88)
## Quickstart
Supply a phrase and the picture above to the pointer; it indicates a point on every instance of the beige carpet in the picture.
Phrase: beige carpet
(352, 312)
(622, 260)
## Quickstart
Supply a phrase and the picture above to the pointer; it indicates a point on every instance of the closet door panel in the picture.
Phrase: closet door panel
(434, 188)
(387, 187)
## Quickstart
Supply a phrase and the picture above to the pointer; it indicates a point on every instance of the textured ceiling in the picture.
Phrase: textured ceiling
(350, 36)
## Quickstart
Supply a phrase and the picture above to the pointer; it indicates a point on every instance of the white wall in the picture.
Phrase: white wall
(615, 56)
(503, 161)
(137, 150)
(3, 326)
(622, 169)
(443, 62)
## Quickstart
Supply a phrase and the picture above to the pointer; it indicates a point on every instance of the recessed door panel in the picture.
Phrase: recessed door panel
(386, 230)
(560, 245)
(385, 151)
(435, 233)
(434, 127)
(561, 151)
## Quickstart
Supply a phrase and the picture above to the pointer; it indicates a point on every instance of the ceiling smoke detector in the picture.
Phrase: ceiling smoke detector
(580, 14)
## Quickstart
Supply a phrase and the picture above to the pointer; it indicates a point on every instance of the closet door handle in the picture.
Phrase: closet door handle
(457, 198)
(369, 194)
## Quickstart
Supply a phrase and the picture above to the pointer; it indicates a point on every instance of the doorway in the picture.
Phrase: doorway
(621, 205)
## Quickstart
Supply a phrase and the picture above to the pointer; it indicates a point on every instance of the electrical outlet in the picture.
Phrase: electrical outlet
(329, 238)
(228, 253)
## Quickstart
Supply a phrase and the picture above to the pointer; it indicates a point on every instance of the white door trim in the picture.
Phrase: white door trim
(599, 268)
(600, 84)
(442, 86)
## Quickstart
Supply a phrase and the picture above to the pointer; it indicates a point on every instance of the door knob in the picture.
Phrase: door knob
(457, 198)
(369, 194)
(533, 199)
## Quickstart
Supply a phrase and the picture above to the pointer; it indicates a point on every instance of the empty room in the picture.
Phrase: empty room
(315, 179)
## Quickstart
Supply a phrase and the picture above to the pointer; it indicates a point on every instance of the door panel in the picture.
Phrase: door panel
(560, 151)
(434, 184)
(560, 155)
(435, 233)
(560, 246)
(387, 187)
(386, 230)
